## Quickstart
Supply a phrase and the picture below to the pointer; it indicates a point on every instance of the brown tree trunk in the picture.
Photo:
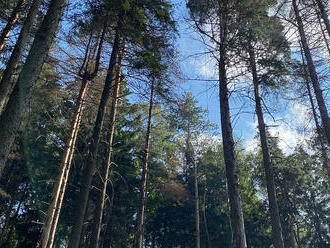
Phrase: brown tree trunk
(11, 23)
(312, 73)
(235, 203)
(88, 171)
(139, 236)
(7, 82)
(324, 15)
(13, 115)
(53, 213)
(271, 190)
(108, 222)
(101, 193)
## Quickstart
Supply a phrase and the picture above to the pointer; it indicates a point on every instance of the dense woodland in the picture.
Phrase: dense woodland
(101, 147)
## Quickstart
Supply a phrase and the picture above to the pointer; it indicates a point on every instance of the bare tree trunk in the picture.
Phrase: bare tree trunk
(88, 171)
(323, 33)
(235, 203)
(312, 73)
(197, 219)
(271, 190)
(108, 222)
(7, 82)
(205, 219)
(101, 193)
(53, 213)
(139, 236)
(319, 130)
(11, 118)
(11, 23)
(324, 15)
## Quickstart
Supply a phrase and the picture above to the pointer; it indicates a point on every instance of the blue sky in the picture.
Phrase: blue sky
(288, 115)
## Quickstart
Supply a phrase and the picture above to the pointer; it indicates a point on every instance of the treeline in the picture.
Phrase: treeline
(98, 148)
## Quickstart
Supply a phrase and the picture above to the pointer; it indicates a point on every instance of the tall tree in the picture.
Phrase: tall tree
(139, 238)
(104, 175)
(203, 13)
(312, 72)
(11, 23)
(54, 209)
(7, 82)
(12, 117)
(323, 12)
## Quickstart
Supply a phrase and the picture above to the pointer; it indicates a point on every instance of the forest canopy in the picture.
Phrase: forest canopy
(164, 123)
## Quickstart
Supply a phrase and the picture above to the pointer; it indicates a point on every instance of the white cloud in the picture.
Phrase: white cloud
(295, 130)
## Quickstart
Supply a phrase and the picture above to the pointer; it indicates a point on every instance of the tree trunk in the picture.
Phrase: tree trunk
(54, 209)
(323, 33)
(312, 73)
(139, 236)
(108, 222)
(271, 190)
(324, 15)
(88, 171)
(319, 130)
(13, 115)
(11, 23)
(101, 193)
(235, 203)
(197, 219)
(7, 82)
(205, 219)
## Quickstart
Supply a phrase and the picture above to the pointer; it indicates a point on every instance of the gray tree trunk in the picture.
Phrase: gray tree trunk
(312, 73)
(271, 190)
(89, 169)
(11, 23)
(139, 236)
(324, 15)
(7, 82)
(101, 194)
(13, 115)
(235, 203)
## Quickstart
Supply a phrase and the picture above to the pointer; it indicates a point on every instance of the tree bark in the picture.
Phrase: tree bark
(205, 219)
(7, 82)
(319, 130)
(101, 194)
(312, 73)
(271, 190)
(324, 15)
(88, 170)
(139, 236)
(53, 213)
(197, 218)
(11, 23)
(11, 118)
(235, 203)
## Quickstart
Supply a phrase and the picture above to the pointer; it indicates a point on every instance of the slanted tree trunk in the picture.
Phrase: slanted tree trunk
(89, 169)
(324, 15)
(139, 236)
(319, 130)
(312, 73)
(7, 82)
(11, 118)
(11, 23)
(53, 213)
(271, 190)
(326, 41)
(235, 203)
(101, 193)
